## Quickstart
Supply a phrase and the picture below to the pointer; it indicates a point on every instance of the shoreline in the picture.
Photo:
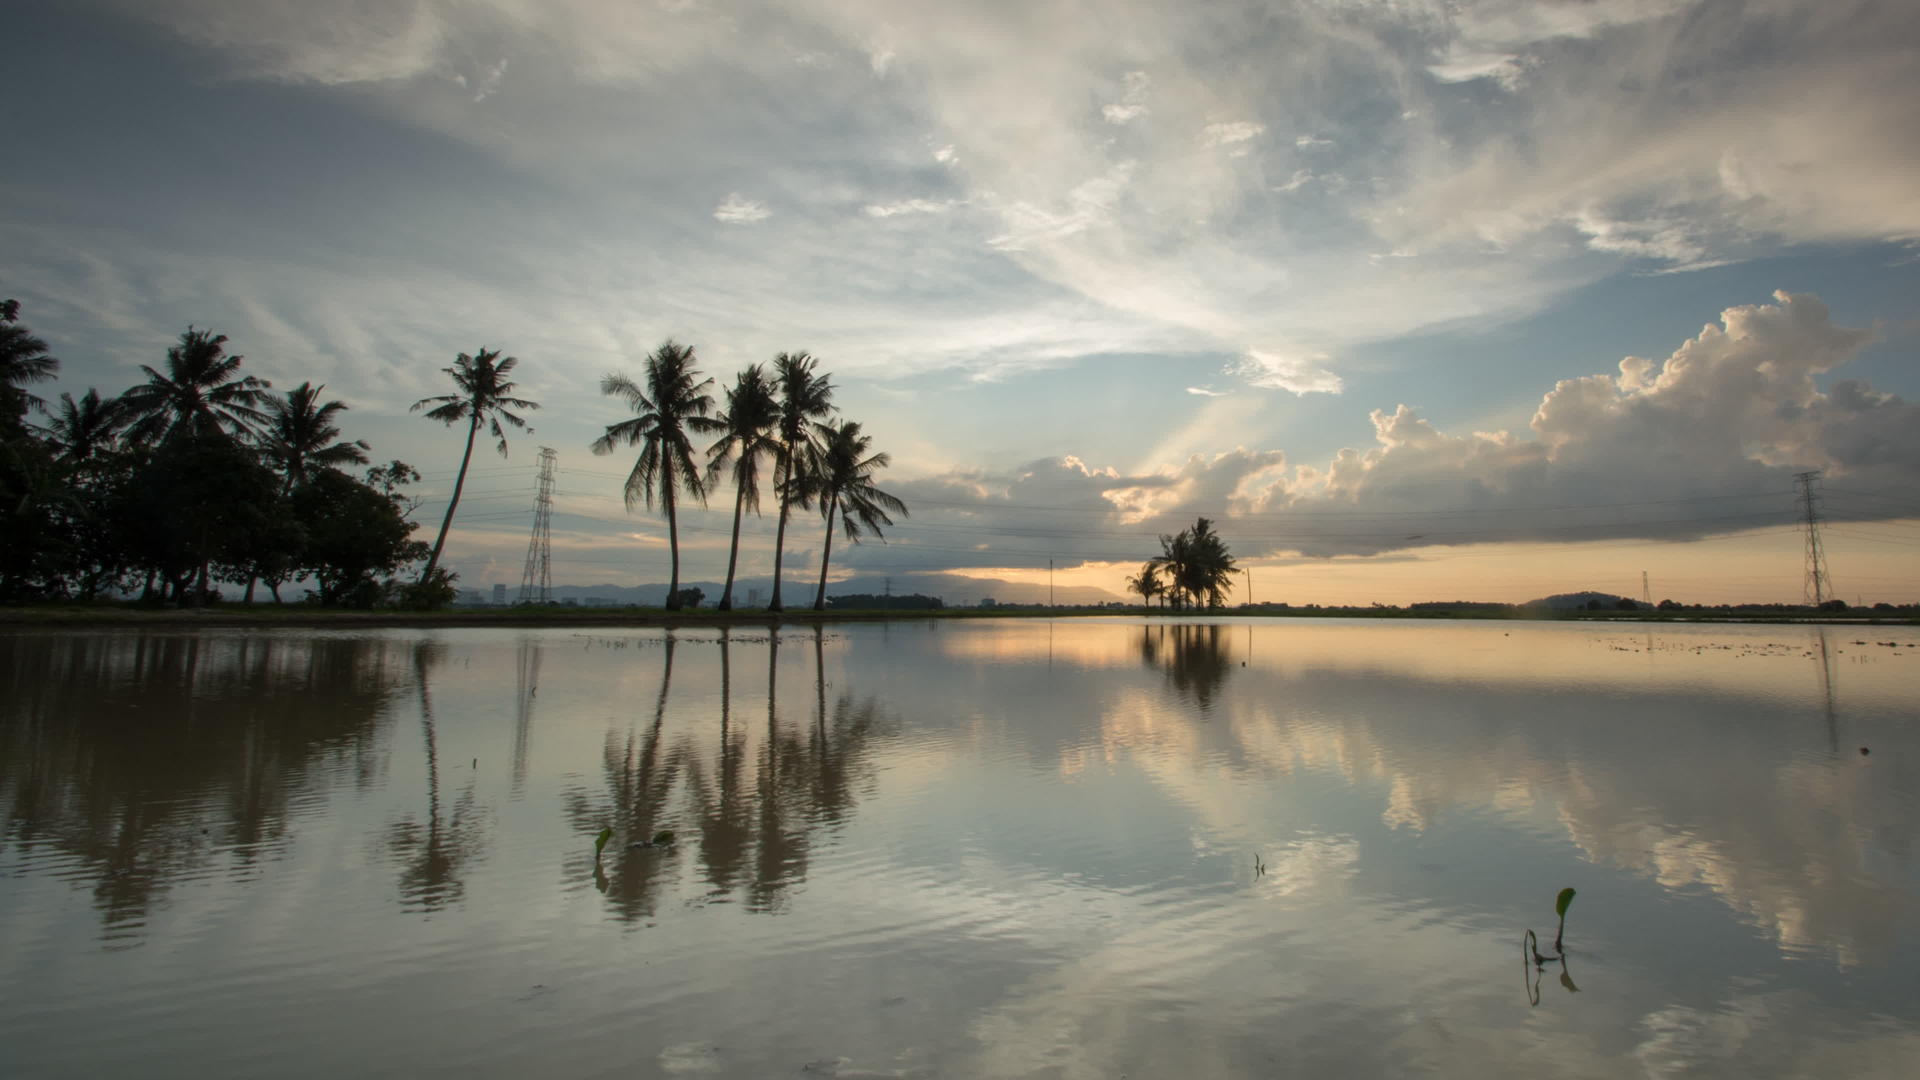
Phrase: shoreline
(297, 617)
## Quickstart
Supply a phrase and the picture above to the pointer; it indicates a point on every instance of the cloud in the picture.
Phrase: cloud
(909, 206)
(1204, 391)
(1226, 134)
(739, 210)
(1293, 374)
(1705, 443)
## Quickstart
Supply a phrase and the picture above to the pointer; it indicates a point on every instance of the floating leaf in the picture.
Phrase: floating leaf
(1560, 905)
(663, 838)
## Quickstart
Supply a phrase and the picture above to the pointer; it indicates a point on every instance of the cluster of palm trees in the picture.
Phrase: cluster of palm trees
(1194, 569)
(232, 448)
(778, 419)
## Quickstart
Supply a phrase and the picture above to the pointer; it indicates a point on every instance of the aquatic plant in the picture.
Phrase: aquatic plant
(1560, 905)
(600, 844)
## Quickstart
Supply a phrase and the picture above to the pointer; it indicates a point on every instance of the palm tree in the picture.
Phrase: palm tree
(80, 430)
(805, 399)
(23, 359)
(1147, 583)
(750, 418)
(300, 432)
(844, 483)
(201, 394)
(670, 406)
(486, 394)
(1198, 566)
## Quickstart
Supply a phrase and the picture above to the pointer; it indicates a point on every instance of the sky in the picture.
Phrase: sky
(1418, 299)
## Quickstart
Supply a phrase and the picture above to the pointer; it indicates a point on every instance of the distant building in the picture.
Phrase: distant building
(500, 595)
(989, 602)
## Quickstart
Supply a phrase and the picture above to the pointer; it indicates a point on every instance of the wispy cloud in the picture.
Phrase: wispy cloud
(740, 210)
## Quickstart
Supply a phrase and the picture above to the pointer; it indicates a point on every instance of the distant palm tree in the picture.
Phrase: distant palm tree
(201, 394)
(300, 432)
(79, 430)
(671, 405)
(1147, 583)
(751, 416)
(805, 399)
(484, 393)
(844, 484)
(1198, 566)
(23, 359)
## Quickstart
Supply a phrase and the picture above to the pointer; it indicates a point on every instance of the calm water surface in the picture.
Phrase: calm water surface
(1088, 848)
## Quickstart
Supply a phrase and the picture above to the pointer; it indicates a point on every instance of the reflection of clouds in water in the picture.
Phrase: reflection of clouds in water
(1708, 787)
(1747, 1036)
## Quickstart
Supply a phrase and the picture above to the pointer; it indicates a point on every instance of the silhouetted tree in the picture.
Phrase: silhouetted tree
(81, 429)
(844, 484)
(751, 419)
(671, 405)
(1147, 582)
(299, 432)
(484, 394)
(23, 359)
(202, 394)
(1197, 565)
(806, 398)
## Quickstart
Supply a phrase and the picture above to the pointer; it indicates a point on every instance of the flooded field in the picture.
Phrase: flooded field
(1087, 848)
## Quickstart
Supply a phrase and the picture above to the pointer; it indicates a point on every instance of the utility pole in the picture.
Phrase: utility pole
(1819, 583)
(1049, 582)
(1249, 586)
(1646, 592)
(889, 603)
(536, 581)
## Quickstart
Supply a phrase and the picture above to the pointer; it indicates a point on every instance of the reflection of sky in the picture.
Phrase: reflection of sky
(997, 848)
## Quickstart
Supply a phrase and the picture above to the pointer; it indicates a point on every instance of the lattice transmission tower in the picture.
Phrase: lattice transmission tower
(536, 581)
(1819, 583)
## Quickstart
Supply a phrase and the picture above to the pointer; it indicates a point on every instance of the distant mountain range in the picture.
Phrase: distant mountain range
(955, 589)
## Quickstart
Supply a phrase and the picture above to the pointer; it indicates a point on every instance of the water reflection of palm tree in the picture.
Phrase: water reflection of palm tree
(1196, 658)
(640, 774)
(433, 857)
(726, 831)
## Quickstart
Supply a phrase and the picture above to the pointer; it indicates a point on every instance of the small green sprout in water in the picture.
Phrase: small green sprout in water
(1560, 908)
(600, 843)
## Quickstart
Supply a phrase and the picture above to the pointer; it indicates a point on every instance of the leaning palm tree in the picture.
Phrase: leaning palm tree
(750, 418)
(806, 397)
(844, 484)
(81, 429)
(485, 394)
(670, 406)
(202, 393)
(299, 433)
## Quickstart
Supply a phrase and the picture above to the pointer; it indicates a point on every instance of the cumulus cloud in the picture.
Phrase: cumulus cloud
(1703, 443)
(740, 210)
(908, 206)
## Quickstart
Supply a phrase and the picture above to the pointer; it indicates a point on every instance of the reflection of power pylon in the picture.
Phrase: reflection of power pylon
(536, 581)
(1819, 584)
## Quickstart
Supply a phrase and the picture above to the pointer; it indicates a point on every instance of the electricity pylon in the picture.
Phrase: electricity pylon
(1819, 583)
(536, 581)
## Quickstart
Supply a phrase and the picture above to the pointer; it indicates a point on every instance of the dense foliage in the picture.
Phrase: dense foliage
(199, 475)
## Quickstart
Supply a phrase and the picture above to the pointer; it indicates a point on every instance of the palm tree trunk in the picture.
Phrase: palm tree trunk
(780, 533)
(733, 556)
(826, 550)
(673, 537)
(459, 482)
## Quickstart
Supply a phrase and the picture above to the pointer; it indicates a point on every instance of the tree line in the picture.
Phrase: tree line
(203, 475)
